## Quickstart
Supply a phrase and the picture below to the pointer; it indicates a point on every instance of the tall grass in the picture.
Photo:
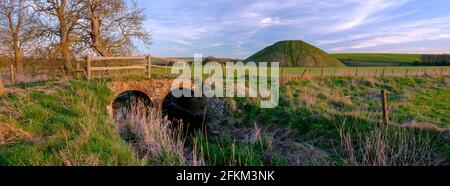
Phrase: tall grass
(68, 127)
(387, 146)
(225, 151)
(152, 135)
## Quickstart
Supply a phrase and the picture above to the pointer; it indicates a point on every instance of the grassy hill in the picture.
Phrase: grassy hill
(378, 59)
(295, 53)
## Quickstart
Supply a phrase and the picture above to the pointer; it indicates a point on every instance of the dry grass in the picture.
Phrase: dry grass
(152, 135)
(387, 146)
(9, 134)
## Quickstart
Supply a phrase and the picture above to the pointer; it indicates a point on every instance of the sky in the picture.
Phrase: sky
(239, 28)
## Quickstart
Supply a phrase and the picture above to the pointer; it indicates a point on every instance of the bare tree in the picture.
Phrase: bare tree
(63, 20)
(16, 26)
(112, 25)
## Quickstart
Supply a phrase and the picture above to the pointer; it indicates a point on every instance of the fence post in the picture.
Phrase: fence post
(442, 72)
(13, 75)
(357, 72)
(88, 67)
(78, 70)
(384, 72)
(385, 106)
(2, 87)
(407, 72)
(149, 66)
(321, 74)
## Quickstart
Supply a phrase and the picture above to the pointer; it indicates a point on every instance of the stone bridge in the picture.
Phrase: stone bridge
(158, 91)
(155, 89)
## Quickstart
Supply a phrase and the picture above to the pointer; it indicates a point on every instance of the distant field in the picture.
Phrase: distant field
(399, 58)
(368, 71)
(376, 60)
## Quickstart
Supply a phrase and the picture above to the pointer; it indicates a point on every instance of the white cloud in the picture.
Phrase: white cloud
(361, 13)
(269, 21)
(418, 31)
(182, 42)
(235, 28)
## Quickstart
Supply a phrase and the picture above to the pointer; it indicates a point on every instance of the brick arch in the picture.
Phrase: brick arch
(155, 89)
(116, 95)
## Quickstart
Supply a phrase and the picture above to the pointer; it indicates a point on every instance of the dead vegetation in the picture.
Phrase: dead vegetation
(384, 146)
(10, 134)
(152, 135)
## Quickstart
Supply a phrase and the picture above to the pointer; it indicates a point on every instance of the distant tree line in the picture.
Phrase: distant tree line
(63, 30)
(435, 59)
(219, 60)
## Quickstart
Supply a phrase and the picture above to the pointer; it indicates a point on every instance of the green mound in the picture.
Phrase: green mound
(295, 53)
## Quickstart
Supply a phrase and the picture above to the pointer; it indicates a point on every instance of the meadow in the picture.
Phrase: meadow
(333, 120)
(377, 60)
(373, 57)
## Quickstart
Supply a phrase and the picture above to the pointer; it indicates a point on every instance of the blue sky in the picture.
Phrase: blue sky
(239, 28)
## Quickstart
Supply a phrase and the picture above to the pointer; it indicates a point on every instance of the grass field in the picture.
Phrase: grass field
(290, 73)
(318, 122)
(313, 125)
(368, 71)
(376, 60)
(368, 57)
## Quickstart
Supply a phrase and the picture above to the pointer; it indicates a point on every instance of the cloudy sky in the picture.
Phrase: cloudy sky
(238, 28)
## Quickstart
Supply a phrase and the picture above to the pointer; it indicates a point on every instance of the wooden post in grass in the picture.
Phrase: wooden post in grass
(321, 74)
(335, 72)
(407, 72)
(442, 72)
(88, 67)
(78, 70)
(12, 75)
(301, 77)
(149, 66)
(384, 71)
(385, 106)
(2, 88)
(357, 72)
(393, 72)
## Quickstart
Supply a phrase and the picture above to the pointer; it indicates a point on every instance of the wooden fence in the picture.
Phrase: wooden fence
(90, 68)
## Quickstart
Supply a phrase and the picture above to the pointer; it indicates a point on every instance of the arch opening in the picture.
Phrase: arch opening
(186, 111)
(124, 101)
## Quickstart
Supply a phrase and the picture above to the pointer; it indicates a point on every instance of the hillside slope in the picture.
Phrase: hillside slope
(295, 53)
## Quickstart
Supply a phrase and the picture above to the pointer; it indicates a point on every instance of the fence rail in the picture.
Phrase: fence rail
(90, 68)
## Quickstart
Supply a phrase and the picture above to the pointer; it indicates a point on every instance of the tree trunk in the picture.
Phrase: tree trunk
(64, 38)
(65, 50)
(17, 53)
(95, 33)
